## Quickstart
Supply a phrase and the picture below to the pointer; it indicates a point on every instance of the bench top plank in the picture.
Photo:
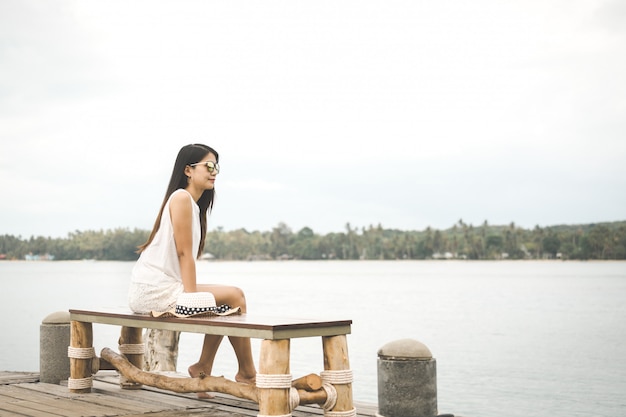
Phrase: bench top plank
(241, 325)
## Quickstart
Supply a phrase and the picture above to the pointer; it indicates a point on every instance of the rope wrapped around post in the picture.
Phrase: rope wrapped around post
(273, 380)
(80, 353)
(349, 413)
(132, 349)
(80, 383)
(282, 415)
(331, 396)
(279, 381)
(337, 377)
(294, 398)
(331, 378)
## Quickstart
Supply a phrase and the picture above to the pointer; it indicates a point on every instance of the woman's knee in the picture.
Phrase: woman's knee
(224, 294)
(239, 298)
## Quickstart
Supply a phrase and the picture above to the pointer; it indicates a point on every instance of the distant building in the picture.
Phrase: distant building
(447, 255)
(44, 257)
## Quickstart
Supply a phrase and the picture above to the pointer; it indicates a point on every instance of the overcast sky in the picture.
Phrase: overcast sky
(405, 113)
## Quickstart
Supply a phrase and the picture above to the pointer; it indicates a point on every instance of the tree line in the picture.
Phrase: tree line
(461, 241)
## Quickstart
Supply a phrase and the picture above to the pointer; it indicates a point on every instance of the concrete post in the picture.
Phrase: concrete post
(407, 380)
(54, 338)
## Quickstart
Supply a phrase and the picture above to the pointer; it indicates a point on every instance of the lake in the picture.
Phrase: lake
(515, 338)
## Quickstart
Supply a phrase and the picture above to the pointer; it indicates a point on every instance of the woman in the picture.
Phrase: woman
(167, 263)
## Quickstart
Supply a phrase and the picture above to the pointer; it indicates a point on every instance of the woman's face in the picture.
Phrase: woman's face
(203, 173)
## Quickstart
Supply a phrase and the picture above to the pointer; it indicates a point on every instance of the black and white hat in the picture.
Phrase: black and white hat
(191, 304)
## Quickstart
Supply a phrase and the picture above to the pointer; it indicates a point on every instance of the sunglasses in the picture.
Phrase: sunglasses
(210, 166)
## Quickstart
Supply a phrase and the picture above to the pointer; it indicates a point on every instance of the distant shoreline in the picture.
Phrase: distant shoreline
(596, 241)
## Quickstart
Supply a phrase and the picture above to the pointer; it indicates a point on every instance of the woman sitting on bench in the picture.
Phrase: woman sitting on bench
(167, 263)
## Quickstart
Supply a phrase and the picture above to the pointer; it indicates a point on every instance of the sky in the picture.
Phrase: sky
(407, 114)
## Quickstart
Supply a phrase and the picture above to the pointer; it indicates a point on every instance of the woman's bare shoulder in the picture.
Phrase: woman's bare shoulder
(180, 199)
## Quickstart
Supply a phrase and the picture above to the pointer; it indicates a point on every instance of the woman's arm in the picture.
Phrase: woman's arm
(181, 213)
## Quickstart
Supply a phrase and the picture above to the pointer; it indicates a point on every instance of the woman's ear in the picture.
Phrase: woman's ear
(187, 171)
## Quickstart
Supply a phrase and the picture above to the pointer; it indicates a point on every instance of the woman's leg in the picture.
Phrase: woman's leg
(234, 297)
(204, 366)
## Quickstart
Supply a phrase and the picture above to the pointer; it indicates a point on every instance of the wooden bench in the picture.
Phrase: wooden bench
(273, 391)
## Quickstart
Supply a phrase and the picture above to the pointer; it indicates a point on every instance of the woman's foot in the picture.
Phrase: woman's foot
(196, 371)
(245, 379)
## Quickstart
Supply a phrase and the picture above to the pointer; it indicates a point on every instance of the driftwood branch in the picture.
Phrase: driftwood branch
(312, 397)
(306, 385)
(311, 382)
(206, 384)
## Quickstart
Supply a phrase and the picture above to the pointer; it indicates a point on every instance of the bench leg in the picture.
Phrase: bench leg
(337, 373)
(131, 345)
(273, 379)
(81, 353)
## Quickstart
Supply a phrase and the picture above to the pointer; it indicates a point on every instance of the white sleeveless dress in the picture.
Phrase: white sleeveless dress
(156, 281)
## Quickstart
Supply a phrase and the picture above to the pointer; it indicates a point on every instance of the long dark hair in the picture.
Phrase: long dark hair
(188, 155)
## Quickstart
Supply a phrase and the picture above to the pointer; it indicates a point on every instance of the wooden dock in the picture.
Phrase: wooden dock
(21, 394)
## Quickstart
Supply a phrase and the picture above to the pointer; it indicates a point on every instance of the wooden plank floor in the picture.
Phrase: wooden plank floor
(22, 395)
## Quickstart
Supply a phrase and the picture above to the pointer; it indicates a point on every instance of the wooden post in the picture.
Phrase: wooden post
(161, 352)
(81, 336)
(131, 345)
(274, 361)
(336, 359)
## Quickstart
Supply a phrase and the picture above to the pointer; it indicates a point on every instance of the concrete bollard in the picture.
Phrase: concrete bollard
(54, 338)
(407, 380)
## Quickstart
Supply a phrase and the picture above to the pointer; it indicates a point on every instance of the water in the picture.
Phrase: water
(510, 338)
